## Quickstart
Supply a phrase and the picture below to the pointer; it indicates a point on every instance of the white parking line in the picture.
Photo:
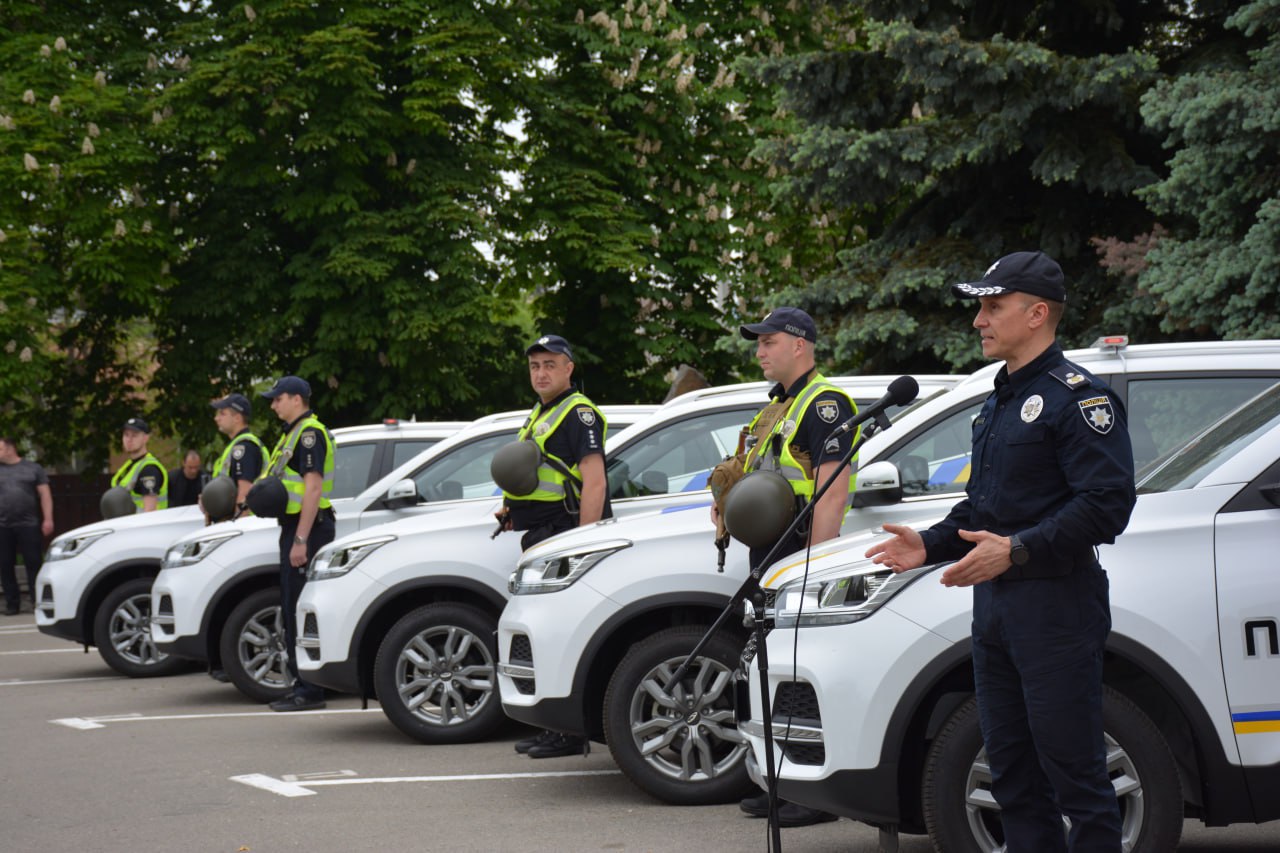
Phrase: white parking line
(17, 682)
(44, 652)
(24, 628)
(286, 788)
(87, 723)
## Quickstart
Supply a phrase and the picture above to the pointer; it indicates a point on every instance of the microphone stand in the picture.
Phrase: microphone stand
(751, 587)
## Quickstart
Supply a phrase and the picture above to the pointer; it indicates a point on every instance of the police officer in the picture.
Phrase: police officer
(141, 475)
(245, 458)
(569, 430)
(792, 435)
(1052, 478)
(303, 459)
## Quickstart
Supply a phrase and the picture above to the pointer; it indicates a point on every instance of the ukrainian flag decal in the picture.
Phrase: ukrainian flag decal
(1256, 722)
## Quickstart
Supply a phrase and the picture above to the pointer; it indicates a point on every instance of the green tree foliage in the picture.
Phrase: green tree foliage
(641, 220)
(1216, 273)
(964, 130)
(83, 245)
(335, 171)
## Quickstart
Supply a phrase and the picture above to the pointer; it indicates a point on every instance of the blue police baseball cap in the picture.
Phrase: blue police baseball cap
(289, 385)
(1021, 272)
(238, 402)
(791, 321)
(137, 424)
(550, 343)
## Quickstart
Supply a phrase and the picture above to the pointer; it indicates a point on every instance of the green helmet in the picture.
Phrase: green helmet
(268, 498)
(759, 509)
(515, 467)
(116, 501)
(219, 498)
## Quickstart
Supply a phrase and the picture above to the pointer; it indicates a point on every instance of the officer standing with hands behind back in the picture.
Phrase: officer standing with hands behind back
(1052, 478)
(303, 460)
(569, 432)
(792, 435)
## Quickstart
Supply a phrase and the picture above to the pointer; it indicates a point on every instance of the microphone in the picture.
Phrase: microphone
(901, 391)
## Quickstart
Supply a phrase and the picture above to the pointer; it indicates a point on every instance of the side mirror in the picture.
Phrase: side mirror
(878, 484)
(402, 494)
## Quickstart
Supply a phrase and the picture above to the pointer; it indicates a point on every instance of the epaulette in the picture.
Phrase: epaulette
(1068, 374)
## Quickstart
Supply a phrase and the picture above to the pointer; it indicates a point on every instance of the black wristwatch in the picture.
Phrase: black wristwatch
(1018, 553)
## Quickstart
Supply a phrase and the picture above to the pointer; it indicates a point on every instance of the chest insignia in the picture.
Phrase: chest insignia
(542, 429)
(787, 428)
(587, 415)
(1032, 408)
(1098, 414)
(309, 440)
(148, 482)
(827, 411)
(238, 452)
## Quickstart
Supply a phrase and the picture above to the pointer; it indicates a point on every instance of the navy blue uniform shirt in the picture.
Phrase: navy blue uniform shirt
(580, 434)
(246, 460)
(1051, 462)
(310, 451)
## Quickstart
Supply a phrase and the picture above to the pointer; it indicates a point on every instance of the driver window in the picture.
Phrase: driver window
(462, 471)
(937, 460)
(676, 457)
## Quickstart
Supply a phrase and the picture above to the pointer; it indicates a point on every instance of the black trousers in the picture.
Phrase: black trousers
(27, 541)
(291, 582)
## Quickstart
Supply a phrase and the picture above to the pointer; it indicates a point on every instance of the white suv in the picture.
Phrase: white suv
(872, 685)
(602, 616)
(217, 597)
(407, 611)
(95, 585)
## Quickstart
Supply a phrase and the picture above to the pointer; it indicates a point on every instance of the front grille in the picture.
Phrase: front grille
(310, 640)
(46, 597)
(524, 686)
(166, 606)
(797, 700)
(521, 650)
(805, 753)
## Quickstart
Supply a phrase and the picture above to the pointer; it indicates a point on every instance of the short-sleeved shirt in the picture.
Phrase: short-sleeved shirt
(245, 462)
(149, 480)
(1051, 463)
(813, 435)
(579, 435)
(19, 500)
(309, 453)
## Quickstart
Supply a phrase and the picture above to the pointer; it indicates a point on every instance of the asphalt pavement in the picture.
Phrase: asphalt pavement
(95, 761)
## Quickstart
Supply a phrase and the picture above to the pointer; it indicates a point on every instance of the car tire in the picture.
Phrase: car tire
(252, 647)
(122, 632)
(649, 733)
(962, 816)
(436, 674)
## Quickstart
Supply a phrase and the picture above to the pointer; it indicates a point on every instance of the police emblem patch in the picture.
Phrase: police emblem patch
(1098, 414)
(1032, 408)
(827, 411)
(542, 429)
(309, 440)
(587, 415)
(238, 452)
(148, 483)
(787, 428)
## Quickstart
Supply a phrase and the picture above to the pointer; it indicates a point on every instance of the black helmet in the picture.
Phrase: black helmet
(268, 498)
(219, 498)
(117, 501)
(515, 467)
(759, 508)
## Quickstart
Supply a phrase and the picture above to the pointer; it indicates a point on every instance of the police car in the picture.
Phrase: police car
(602, 616)
(872, 685)
(407, 611)
(217, 597)
(95, 585)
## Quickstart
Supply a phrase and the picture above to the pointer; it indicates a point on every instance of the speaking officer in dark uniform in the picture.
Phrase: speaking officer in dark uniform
(572, 490)
(792, 435)
(1051, 478)
(244, 459)
(141, 475)
(303, 459)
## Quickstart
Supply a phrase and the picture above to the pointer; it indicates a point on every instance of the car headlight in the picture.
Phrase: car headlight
(72, 545)
(841, 599)
(553, 572)
(334, 562)
(192, 552)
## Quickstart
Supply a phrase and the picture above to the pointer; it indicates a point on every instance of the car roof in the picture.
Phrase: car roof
(393, 428)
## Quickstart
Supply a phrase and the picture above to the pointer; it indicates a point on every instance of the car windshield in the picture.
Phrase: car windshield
(1188, 465)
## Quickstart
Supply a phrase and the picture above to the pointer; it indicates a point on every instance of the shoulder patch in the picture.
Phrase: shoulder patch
(309, 439)
(587, 415)
(148, 482)
(827, 411)
(237, 452)
(1098, 414)
(1070, 375)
